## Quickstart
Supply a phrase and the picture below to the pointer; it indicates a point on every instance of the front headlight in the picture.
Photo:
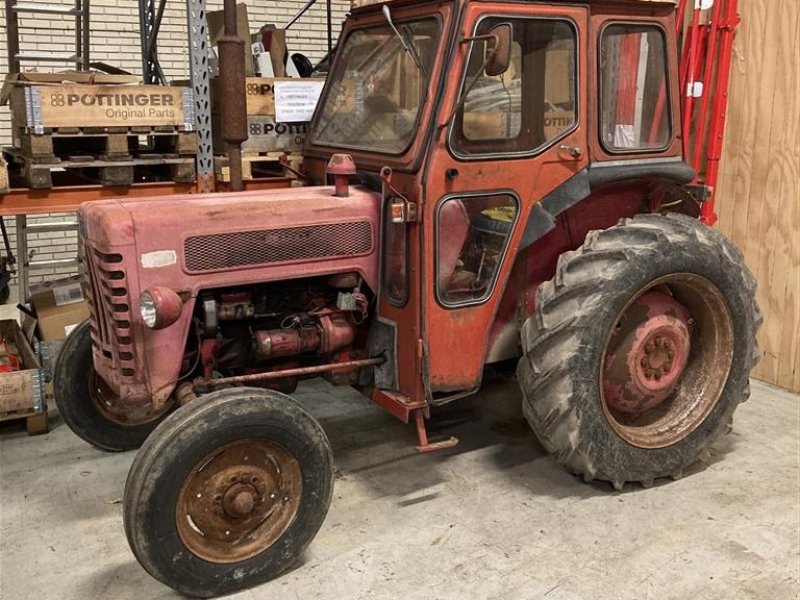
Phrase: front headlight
(147, 308)
(159, 307)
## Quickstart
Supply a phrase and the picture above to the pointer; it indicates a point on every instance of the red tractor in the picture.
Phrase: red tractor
(490, 182)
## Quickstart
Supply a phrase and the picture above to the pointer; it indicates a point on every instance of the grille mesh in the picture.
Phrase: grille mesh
(268, 246)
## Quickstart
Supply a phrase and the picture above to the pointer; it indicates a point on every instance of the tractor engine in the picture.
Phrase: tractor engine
(246, 330)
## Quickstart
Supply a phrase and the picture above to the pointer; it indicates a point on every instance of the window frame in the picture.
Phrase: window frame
(465, 196)
(667, 86)
(424, 99)
(451, 145)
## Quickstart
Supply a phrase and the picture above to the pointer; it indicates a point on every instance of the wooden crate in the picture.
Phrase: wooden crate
(40, 106)
(22, 394)
(265, 135)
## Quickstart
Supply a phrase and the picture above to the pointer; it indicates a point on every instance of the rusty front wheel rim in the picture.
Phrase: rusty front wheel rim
(703, 378)
(239, 500)
(115, 410)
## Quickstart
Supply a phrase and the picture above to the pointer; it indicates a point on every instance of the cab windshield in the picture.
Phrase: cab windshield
(377, 88)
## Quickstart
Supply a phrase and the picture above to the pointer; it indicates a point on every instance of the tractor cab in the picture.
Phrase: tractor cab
(482, 125)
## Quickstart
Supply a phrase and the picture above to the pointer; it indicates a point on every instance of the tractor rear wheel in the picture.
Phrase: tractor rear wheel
(88, 405)
(640, 349)
(228, 491)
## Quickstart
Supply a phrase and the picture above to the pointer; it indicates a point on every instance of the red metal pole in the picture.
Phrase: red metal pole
(710, 56)
(719, 107)
(299, 371)
(688, 87)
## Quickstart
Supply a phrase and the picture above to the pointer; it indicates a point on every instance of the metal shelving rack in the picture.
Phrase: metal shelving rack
(17, 56)
(21, 202)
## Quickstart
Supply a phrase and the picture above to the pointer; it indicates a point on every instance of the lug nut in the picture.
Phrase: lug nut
(649, 348)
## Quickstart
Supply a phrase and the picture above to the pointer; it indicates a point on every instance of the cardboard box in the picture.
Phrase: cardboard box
(17, 80)
(21, 392)
(59, 307)
(216, 29)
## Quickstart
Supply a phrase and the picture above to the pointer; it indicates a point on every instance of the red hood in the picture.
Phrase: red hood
(179, 240)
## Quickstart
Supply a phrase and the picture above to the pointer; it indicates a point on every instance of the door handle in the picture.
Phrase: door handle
(574, 151)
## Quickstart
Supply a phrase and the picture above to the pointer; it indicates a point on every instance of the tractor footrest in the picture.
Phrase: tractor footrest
(426, 445)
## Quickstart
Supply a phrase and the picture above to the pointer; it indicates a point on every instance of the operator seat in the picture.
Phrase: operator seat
(454, 225)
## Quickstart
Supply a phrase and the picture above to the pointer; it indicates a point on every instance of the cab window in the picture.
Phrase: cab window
(528, 106)
(471, 237)
(634, 102)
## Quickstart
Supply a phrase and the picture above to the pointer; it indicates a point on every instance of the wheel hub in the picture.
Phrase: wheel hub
(239, 500)
(647, 354)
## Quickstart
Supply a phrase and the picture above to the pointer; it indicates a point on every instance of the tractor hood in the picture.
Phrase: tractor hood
(193, 242)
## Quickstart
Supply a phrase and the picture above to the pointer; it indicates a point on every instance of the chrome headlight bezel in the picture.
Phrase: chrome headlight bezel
(147, 309)
(159, 307)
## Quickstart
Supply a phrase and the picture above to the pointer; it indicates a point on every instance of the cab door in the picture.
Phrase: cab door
(504, 143)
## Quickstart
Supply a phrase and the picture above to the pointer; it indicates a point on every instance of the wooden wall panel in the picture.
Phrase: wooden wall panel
(758, 199)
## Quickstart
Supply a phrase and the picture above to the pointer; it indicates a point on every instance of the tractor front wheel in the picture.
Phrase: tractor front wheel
(228, 491)
(88, 405)
(640, 349)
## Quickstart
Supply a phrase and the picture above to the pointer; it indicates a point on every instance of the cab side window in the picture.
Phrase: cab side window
(529, 105)
(634, 90)
(471, 237)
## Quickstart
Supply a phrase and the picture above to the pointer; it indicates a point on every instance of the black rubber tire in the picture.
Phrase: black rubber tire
(71, 377)
(563, 343)
(170, 454)
(5, 294)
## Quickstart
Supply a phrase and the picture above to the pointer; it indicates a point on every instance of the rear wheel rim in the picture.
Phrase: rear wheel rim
(239, 500)
(664, 366)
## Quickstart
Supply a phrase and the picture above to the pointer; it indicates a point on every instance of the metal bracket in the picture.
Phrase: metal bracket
(33, 109)
(189, 112)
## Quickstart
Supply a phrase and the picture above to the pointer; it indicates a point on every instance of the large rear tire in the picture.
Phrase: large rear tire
(87, 404)
(228, 491)
(640, 349)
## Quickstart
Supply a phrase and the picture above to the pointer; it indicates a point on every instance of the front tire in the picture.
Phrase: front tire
(228, 491)
(640, 349)
(87, 404)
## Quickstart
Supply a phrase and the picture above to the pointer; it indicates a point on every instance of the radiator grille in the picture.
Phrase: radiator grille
(106, 291)
(269, 246)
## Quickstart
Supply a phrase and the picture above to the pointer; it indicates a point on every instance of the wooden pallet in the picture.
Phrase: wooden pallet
(35, 423)
(256, 164)
(106, 169)
(109, 141)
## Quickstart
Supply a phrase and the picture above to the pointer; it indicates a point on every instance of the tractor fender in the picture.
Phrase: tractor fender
(596, 176)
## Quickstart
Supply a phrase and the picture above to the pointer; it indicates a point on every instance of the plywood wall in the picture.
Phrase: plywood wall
(758, 198)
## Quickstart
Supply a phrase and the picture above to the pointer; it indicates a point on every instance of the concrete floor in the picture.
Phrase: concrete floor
(492, 518)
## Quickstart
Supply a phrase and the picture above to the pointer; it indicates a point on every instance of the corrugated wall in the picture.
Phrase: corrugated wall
(759, 190)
